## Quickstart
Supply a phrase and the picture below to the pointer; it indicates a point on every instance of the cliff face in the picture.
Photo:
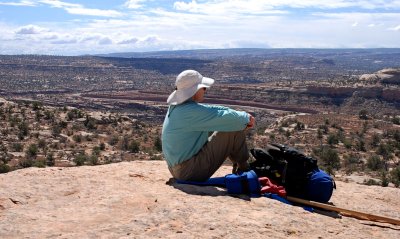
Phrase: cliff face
(390, 77)
(133, 200)
(385, 76)
(386, 94)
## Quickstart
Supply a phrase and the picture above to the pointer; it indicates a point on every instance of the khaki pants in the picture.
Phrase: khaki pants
(205, 163)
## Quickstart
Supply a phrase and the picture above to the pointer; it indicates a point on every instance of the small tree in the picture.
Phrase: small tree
(158, 144)
(31, 151)
(375, 140)
(50, 160)
(395, 176)
(330, 159)
(363, 114)
(332, 139)
(23, 130)
(375, 163)
(80, 159)
(134, 146)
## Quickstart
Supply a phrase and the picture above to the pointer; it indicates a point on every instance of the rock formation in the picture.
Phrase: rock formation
(133, 200)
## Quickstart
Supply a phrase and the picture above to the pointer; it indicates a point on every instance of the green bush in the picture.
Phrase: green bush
(31, 151)
(39, 163)
(134, 146)
(113, 140)
(26, 163)
(371, 181)
(332, 139)
(330, 159)
(4, 168)
(50, 160)
(395, 176)
(363, 114)
(158, 144)
(94, 159)
(375, 163)
(17, 147)
(80, 159)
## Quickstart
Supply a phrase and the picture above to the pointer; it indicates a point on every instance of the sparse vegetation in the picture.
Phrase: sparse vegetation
(348, 131)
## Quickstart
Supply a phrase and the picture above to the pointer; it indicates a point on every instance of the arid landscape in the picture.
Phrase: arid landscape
(103, 109)
(342, 107)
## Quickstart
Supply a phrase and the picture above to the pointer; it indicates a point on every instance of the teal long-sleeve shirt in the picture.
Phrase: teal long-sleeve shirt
(186, 128)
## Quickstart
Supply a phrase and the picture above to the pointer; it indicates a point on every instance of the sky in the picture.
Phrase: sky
(77, 27)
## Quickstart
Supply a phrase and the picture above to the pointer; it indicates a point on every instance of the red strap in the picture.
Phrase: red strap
(268, 187)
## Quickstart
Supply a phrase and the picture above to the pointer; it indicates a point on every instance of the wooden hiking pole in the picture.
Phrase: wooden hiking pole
(345, 212)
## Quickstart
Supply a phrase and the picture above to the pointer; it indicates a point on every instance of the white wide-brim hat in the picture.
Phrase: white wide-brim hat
(187, 84)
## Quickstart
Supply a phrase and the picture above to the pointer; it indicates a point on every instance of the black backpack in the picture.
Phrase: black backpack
(286, 166)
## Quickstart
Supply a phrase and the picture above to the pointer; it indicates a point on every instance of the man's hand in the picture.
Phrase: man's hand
(251, 122)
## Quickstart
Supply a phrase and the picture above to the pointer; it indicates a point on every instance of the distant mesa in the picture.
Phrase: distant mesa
(385, 76)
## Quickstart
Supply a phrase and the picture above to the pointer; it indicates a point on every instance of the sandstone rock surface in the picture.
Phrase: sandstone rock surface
(133, 200)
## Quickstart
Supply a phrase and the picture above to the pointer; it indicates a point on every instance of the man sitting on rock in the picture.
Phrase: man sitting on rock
(191, 153)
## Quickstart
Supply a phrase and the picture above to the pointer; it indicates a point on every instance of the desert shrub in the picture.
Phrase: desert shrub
(371, 181)
(56, 130)
(90, 123)
(300, 126)
(375, 140)
(332, 139)
(4, 168)
(31, 151)
(23, 130)
(39, 163)
(17, 147)
(384, 178)
(49, 115)
(329, 158)
(347, 143)
(375, 163)
(134, 146)
(50, 160)
(113, 140)
(80, 159)
(396, 120)
(94, 159)
(324, 128)
(102, 146)
(360, 145)
(63, 124)
(77, 138)
(385, 150)
(363, 114)
(352, 163)
(395, 176)
(156, 157)
(158, 144)
(26, 162)
(125, 143)
(37, 105)
(42, 143)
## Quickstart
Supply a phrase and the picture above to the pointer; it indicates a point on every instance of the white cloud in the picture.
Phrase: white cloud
(129, 41)
(134, 4)
(272, 6)
(30, 29)
(65, 41)
(25, 3)
(105, 41)
(397, 28)
(93, 12)
(78, 9)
